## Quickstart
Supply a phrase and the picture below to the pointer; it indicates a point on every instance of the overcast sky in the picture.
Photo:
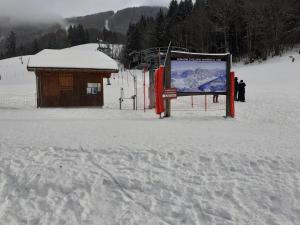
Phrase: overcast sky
(46, 9)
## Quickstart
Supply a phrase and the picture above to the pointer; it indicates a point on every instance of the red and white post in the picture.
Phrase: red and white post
(232, 108)
(144, 91)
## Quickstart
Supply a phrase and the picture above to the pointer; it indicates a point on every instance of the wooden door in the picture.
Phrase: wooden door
(66, 86)
(49, 89)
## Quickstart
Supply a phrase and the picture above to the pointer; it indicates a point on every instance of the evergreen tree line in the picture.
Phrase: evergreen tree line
(74, 35)
(252, 29)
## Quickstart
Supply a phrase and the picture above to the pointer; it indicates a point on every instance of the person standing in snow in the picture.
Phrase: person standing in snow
(216, 99)
(236, 88)
(241, 89)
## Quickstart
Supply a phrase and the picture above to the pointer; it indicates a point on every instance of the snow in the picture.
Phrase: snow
(106, 166)
(72, 59)
(107, 25)
(86, 47)
(116, 49)
(206, 54)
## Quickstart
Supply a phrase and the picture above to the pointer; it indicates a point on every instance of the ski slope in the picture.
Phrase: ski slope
(105, 166)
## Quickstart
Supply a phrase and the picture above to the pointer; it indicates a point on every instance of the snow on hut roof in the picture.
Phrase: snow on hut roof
(72, 59)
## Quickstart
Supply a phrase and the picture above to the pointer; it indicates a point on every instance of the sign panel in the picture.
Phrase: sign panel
(93, 88)
(196, 75)
(170, 93)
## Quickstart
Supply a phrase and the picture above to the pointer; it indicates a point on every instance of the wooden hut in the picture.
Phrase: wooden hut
(71, 78)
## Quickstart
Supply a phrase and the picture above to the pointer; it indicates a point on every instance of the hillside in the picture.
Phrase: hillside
(91, 166)
(120, 21)
(117, 22)
(26, 33)
(95, 21)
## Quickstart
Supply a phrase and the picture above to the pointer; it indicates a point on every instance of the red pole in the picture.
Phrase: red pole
(144, 89)
(159, 88)
(232, 109)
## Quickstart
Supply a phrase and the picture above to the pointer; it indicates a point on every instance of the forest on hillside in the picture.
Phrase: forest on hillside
(61, 38)
(29, 38)
(250, 30)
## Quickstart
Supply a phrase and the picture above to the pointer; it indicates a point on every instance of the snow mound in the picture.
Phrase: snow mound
(72, 59)
(86, 47)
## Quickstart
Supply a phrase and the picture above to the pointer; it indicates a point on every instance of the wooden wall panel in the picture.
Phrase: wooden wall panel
(50, 85)
(69, 89)
(66, 81)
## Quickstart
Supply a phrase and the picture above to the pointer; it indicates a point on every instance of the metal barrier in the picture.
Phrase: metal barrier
(122, 98)
(17, 101)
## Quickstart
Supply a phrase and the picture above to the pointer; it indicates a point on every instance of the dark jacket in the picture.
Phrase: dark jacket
(242, 86)
(236, 85)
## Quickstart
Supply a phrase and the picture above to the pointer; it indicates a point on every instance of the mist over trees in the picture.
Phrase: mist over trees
(74, 35)
(250, 30)
(106, 26)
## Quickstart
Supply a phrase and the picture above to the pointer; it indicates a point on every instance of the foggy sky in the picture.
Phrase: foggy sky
(45, 10)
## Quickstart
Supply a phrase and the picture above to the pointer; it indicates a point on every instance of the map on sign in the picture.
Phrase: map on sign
(191, 76)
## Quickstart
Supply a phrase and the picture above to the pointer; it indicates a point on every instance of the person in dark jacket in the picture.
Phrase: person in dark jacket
(216, 99)
(241, 88)
(236, 88)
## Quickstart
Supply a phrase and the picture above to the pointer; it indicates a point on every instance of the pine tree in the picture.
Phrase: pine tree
(188, 5)
(160, 37)
(35, 46)
(80, 35)
(173, 9)
(11, 44)
(71, 35)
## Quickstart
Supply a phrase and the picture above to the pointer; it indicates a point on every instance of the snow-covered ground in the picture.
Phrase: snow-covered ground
(106, 166)
(116, 49)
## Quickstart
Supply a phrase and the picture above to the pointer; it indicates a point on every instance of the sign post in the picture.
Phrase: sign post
(144, 88)
(198, 74)
(232, 87)
(159, 89)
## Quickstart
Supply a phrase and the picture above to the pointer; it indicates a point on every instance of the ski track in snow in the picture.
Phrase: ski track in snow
(111, 167)
(146, 186)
